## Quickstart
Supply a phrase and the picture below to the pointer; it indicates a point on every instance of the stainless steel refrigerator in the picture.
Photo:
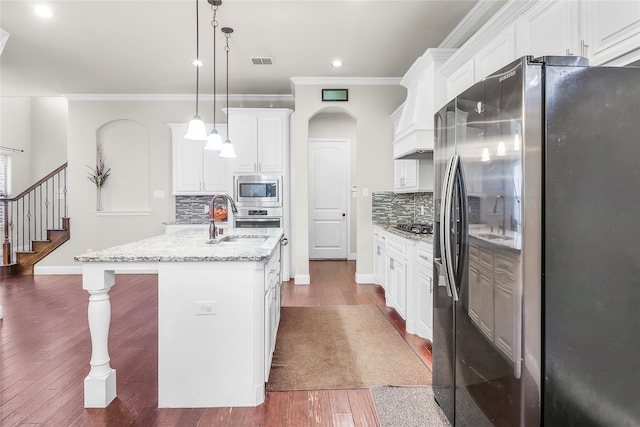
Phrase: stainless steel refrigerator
(537, 247)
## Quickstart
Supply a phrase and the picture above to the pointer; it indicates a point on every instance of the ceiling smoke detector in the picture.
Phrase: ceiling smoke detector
(261, 60)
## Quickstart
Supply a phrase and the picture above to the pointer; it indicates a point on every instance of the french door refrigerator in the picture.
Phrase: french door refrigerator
(537, 247)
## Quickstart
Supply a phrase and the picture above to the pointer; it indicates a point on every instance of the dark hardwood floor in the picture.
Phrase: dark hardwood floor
(45, 349)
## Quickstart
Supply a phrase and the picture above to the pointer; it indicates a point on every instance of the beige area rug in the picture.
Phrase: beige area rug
(407, 407)
(341, 347)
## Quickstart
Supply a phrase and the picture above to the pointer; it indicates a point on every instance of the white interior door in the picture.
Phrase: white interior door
(328, 192)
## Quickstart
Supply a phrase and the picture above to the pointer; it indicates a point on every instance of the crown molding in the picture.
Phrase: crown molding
(175, 97)
(455, 37)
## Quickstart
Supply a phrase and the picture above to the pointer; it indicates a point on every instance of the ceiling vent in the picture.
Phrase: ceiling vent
(262, 60)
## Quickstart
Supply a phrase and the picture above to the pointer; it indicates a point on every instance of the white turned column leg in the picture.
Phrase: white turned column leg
(100, 384)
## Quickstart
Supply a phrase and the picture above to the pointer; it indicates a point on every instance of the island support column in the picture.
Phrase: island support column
(100, 384)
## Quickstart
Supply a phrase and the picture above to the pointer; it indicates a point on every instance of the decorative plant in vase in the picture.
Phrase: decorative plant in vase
(99, 176)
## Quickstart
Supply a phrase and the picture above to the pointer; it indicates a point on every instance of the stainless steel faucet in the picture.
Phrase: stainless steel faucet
(495, 210)
(213, 230)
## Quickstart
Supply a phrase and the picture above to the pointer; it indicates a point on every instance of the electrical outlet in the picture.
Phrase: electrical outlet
(206, 307)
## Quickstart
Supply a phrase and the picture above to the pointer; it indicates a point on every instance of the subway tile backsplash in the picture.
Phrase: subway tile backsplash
(402, 208)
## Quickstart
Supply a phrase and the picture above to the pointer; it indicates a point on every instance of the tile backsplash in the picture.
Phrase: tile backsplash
(392, 208)
(190, 209)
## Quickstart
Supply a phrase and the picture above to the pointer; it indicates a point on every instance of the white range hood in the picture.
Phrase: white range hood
(414, 119)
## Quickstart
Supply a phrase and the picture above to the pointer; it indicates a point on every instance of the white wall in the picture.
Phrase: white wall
(39, 127)
(371, 107)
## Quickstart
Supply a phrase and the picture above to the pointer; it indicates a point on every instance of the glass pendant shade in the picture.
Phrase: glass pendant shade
(196, 130)
(214, 142)
(227, 150)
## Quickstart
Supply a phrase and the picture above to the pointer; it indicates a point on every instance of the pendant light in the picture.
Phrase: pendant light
(196, 130)
(214, 142)
(227, 148)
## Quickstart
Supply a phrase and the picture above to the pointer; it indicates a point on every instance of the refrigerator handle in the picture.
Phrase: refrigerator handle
(448, 202)
(443, 226)
(464, 225)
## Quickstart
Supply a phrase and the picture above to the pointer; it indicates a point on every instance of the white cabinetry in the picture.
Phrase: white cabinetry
(404, 268)
(424, 281)
(396, 281)
(272, 281)
(551, 28)
(611, 30)
(379, 249)
(194, 169)
(413, 175)
(460, 79)
(500, 50)
(260, 138)
(601, 31)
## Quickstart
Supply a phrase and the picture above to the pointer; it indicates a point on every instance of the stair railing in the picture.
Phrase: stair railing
(28, 216)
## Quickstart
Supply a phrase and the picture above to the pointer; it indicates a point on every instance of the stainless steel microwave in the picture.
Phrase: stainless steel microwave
(258, 190)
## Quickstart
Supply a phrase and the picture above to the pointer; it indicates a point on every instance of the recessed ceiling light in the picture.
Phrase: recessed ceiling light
(337, 63)
(43, 11)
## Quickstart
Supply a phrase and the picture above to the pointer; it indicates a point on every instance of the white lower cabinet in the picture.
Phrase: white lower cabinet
(272, 284)
(396, 281)
(404, 269)
(424, 273)
(379, 249)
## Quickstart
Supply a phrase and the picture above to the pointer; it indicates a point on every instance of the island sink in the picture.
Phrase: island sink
(244, 240)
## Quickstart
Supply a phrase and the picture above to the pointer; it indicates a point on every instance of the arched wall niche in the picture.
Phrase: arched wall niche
(125, 148)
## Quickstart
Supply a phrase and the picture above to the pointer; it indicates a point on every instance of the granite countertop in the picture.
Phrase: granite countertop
(190, 245)
(391, 228)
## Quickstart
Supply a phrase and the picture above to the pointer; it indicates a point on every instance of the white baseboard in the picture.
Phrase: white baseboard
(302, 279)
(57, 269)
(365, 279)
(424, 331)
(352, 257)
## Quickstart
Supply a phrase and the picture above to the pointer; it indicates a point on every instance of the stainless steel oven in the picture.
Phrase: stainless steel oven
(258, 190)
(258, 217)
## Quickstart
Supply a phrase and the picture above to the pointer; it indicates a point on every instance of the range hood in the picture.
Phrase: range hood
(413, 137)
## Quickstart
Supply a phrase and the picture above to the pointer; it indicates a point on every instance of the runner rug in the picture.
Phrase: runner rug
(341, 347)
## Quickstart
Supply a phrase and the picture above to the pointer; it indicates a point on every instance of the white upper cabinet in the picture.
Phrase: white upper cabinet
(500, 50)
(462, 78)
(602, 31)
(194, 169)
(611, 30)
(259, 136)
(551, 28)
(413, 175)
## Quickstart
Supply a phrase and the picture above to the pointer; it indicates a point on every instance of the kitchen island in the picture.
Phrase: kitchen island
(218, 311)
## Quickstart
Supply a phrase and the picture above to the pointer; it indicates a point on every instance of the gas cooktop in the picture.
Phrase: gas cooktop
(416, 228)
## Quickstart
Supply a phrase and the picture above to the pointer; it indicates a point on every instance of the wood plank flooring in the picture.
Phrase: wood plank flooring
(45, 349)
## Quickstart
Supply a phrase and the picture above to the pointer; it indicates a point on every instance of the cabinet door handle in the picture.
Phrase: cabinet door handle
(430, 285)
(583, 48)
(391, 263)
